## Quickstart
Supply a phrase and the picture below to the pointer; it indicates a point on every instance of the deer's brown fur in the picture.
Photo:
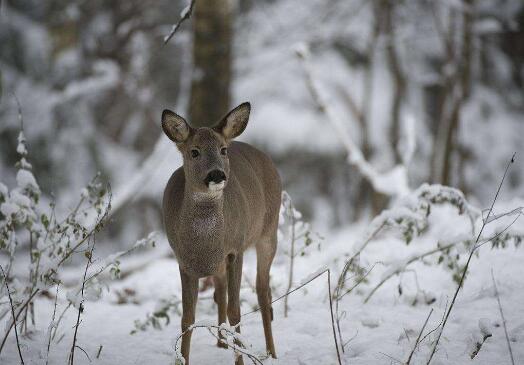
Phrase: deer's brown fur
(209, 225)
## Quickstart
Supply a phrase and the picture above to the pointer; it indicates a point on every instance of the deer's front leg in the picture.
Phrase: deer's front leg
(220, 297)
(234, 278)
(189, 299)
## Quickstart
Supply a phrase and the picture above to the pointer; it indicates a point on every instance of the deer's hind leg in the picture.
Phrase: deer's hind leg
(220, 297)
(265, 253)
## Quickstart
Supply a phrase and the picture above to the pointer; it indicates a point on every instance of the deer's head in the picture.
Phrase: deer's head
(204, 150)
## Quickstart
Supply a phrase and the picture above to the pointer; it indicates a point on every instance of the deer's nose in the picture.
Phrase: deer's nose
(215, 176)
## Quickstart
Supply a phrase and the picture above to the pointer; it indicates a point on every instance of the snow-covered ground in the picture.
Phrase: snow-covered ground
(380, 331)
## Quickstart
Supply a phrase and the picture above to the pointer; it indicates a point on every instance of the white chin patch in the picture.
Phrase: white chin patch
(216, 187)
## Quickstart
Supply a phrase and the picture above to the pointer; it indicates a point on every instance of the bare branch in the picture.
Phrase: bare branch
(51, 326)
(418, 338)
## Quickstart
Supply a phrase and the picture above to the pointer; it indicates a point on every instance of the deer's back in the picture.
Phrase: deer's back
(257, 188)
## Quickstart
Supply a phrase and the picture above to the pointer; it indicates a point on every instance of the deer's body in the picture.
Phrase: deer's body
(203, 231)
(225, 198)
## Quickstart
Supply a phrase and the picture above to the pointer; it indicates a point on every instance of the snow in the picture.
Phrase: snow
(376, 328)
(26, 179)
(486, 327)
(3, 190)
(20, 148)
(8, 209)
(185, 11)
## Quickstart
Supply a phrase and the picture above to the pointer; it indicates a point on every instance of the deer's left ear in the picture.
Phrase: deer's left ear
(234, 123)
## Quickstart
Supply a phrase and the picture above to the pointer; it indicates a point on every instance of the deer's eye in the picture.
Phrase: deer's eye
(195, 153)
(223, 151)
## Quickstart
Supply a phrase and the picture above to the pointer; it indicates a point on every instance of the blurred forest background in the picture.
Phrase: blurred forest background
(92, 78)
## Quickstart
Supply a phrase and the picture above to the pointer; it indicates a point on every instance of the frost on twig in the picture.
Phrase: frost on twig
(185, 14)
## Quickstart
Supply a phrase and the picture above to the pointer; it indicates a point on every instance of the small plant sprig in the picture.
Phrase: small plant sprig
(300, 237)
(163, 311)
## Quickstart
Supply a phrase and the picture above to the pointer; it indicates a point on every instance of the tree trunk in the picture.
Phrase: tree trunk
(212, 34)
(395, 68)
(456, 92)
(464, 79)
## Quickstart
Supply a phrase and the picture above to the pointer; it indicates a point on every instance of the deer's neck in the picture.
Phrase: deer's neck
(201, 231)
(204, 212)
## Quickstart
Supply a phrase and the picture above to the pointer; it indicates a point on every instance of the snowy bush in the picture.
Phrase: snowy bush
(27, 224)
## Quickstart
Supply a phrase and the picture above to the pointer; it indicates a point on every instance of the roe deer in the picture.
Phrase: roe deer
(225, 198)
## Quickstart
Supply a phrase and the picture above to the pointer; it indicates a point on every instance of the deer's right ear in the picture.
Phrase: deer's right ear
(174, 126)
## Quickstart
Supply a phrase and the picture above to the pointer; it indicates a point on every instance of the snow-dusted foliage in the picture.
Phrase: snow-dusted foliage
(50, 241)
(411, 217)
(164, 309)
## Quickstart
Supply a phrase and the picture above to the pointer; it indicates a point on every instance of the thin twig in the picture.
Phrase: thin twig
(472, 251)
(81, 306)
(291, 209)
(237, 346)
(391, 357)
(342, 278)
(60, 320)
(13, 313)
(339, 297)
(26, 303)
(186, 15)
(503, 319)
(330, 304)
(438, 326)
(499, 233)
(52, 325)
(84, 351)
(418, 338)
(332, 317)
(99, 351)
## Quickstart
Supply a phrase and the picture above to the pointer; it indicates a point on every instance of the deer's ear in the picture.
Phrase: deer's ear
(175, 127)
(234, 123)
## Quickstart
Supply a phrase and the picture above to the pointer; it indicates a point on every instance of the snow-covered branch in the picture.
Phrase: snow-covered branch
(393, 182)
(185, 14)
